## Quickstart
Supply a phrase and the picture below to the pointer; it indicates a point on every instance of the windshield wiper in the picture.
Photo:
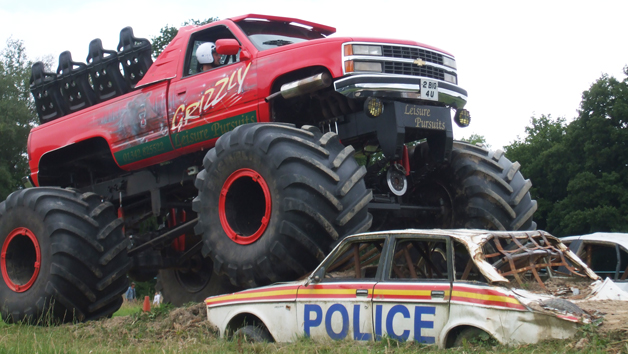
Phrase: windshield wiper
(277, 42)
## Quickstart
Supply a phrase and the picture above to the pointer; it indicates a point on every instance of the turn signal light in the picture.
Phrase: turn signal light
(349, 68)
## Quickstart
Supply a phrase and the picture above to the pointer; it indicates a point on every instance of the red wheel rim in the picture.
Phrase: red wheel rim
(222, 210)
(13, 236)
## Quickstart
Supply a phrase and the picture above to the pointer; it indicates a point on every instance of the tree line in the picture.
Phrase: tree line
(579, 170)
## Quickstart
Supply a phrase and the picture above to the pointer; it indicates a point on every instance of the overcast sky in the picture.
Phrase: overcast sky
(515, 59)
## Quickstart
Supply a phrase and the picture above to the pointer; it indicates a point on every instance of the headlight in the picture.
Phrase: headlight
(449, 62)
(451, 78)
(361, 49)
(367, 66)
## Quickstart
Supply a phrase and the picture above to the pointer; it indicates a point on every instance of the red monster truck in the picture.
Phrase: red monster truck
(253, 170)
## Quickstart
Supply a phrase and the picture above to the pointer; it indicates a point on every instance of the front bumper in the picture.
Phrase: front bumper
(398, 86)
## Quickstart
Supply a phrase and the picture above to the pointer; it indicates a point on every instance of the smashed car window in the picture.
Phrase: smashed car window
(531, 259)
(465, 268)
(358, 260)
(419, 259)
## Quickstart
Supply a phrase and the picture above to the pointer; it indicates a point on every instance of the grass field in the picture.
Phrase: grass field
(185, 330)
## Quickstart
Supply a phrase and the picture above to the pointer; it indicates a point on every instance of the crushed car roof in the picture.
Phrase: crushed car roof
(511, 253)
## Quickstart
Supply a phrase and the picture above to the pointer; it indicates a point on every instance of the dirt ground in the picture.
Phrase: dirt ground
(615, 313)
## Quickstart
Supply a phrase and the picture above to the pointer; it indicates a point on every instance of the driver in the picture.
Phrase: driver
(207, 56)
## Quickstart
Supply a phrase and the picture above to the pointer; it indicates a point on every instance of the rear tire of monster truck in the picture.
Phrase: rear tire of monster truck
(482, 189)
(273, 199)
(180, 287)
(63, 257)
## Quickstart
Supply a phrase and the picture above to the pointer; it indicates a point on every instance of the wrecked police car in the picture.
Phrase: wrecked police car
(432, 286)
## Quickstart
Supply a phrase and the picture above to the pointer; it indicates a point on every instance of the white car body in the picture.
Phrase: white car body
(618, 241)
(427, 310)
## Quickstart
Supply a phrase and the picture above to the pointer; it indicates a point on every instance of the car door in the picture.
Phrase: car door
(203, 105)
(339, 306)
(412, 300)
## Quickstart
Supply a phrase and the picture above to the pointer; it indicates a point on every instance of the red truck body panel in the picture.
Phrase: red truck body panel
(170, 114)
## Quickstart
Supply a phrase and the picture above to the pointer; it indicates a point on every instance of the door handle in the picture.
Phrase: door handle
(438, 293)
(182, 92)
(361, 292)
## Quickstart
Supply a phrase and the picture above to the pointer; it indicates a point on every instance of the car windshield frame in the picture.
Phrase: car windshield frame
(266, 34)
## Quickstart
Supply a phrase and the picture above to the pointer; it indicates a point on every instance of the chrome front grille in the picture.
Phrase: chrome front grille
(399, 68)
(393, 51)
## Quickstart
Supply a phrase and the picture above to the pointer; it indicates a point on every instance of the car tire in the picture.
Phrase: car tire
(273, 199)
(253, 334)
(482, 189)
(64, 257)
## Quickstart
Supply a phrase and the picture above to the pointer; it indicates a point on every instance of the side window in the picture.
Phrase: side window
(465, 268)
(209, 35)
(602, 259)
(358, 260)
(419, 259)
(623, 265)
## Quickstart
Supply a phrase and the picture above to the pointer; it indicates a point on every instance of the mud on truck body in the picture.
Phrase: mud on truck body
(253, 170)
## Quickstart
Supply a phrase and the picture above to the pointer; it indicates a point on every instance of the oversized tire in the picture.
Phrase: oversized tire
(64, 257)
(195, 284)
(482, 189)
(273, 199)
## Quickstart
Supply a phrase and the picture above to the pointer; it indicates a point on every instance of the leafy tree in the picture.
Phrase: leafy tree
(167, 34)
(17, 115)
(476, 139)
(580, 170)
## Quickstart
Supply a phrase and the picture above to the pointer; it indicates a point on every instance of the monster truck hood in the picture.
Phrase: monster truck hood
(340, 40)
(398, 42)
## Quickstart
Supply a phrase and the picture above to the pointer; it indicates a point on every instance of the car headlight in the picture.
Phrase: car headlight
(449, 62)
(361, 49)
(451, 78)
(367, 66)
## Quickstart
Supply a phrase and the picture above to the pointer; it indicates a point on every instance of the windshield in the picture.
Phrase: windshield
(267, 35)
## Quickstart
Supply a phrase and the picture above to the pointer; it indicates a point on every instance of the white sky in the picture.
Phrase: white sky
(515, 59)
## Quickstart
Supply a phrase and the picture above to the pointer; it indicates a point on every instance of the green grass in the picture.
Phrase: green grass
(167, 330)
(128, 308)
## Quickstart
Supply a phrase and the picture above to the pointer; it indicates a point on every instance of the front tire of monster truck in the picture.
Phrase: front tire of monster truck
(63, 257)
(273, 199)
(481, 189)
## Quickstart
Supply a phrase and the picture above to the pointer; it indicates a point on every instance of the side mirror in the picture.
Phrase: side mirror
(227, 47)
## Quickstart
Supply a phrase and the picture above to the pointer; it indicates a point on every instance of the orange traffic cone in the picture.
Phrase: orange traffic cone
(146, 306)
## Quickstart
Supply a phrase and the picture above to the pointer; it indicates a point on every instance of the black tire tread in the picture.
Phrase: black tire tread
(88, 261)
(497, 195)
(324, 213)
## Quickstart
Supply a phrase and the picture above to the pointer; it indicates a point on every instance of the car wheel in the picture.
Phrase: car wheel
(253, 334)
(471, 335)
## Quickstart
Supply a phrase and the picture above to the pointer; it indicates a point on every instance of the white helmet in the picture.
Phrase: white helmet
(204, 53)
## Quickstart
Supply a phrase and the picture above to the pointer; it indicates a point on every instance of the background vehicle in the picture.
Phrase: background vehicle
(433, 286)
(357, 135)
(606, 253)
